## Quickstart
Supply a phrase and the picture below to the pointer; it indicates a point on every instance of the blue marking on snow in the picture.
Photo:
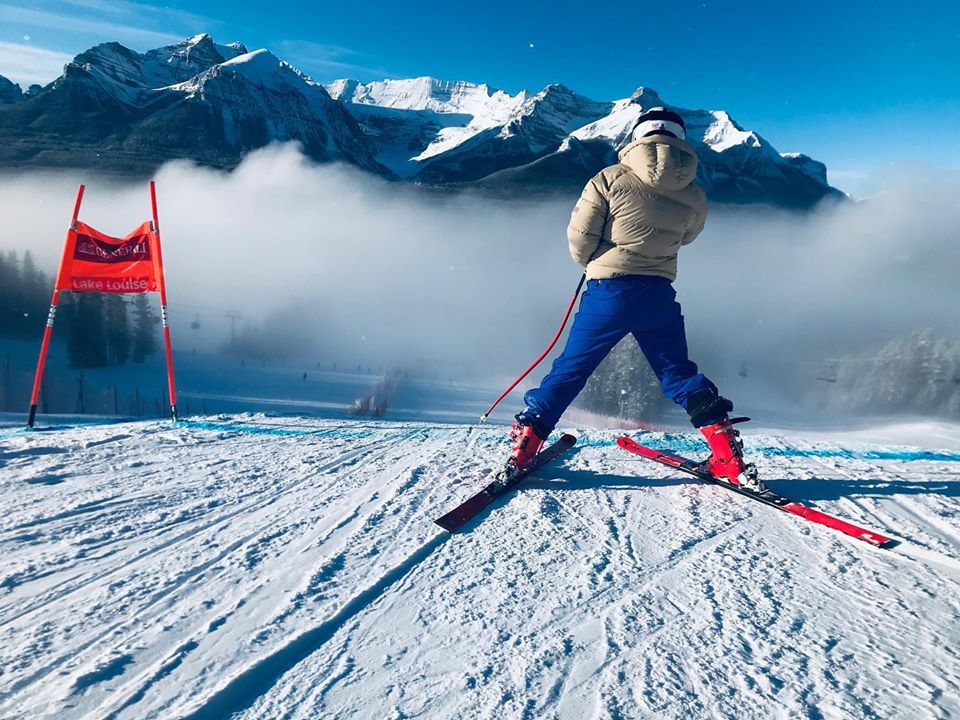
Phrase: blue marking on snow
(679, 443)
(336, 433)
(694, 446)
(585, 442)
(683, 444)
(910, 455)
(901, 455)
(238, 428)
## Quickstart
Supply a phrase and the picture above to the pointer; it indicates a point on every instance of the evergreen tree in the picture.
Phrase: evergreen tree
(11, 296)
(66, 312)
(8, 283)
(35, 295)
(29, 276)
(117, 329)
(34, 280)
(145, 329)
(624, 386)
(86, 344)
(13, 262)
(917, 375)
(23, 292)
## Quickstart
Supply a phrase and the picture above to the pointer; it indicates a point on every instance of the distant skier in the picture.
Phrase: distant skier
(626, 230)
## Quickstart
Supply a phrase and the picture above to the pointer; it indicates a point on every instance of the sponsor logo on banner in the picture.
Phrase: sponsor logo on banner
(90, 249)
(113, 285)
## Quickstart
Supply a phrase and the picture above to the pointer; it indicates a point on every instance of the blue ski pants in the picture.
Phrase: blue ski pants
(642, 305)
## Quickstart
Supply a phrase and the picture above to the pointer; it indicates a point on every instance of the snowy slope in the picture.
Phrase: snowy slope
(488, 105)
(411, 120)
(289, 567)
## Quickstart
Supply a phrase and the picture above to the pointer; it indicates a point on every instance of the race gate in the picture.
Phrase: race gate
(94, 262)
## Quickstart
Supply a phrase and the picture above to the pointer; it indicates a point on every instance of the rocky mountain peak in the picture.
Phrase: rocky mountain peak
(10, 92)
(213, 103)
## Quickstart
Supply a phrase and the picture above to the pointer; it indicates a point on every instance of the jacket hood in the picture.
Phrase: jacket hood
(661, 161)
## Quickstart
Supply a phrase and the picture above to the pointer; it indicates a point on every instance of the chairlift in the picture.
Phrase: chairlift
(195, 325)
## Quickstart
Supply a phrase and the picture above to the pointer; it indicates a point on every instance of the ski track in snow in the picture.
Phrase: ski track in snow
(286, 567)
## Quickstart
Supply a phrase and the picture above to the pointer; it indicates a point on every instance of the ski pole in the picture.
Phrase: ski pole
(566, 316)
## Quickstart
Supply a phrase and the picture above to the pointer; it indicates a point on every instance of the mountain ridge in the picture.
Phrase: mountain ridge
(121, 111)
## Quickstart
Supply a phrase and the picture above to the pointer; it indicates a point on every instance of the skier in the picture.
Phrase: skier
(626, 230)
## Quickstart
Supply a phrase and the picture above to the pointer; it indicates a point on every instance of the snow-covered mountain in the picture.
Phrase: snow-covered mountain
(536, 127)
(120, 110)
(411, 121)
(249, 101)
(439, 132)
(112, 71)
(124, 111)
(557, 139)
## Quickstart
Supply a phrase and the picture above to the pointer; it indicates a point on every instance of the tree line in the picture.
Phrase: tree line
(624, 387)
(100, 329)
(914, 375)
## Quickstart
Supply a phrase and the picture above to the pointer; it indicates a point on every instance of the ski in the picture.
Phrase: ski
(767, 497)
(469, 508)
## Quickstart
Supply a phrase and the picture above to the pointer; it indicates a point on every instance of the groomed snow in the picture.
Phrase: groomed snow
(288, 567)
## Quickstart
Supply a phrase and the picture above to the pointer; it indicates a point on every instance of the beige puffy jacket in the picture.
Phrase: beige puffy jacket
(633, 217)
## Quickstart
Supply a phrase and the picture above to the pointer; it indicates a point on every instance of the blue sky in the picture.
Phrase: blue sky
(859, 85)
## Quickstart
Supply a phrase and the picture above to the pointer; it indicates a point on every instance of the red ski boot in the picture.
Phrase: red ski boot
(526, 444)
(726, 456)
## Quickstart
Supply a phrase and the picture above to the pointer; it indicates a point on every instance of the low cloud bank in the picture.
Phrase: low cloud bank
(372, 272)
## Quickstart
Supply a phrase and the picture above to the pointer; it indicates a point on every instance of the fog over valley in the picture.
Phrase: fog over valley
(339, 266)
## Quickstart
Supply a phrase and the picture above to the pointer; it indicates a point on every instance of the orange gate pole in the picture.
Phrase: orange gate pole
(171, 384)
(51, 316)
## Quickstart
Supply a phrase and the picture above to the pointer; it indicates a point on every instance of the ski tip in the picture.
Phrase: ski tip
(568, 438)
(451, 522)
(447, 524)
